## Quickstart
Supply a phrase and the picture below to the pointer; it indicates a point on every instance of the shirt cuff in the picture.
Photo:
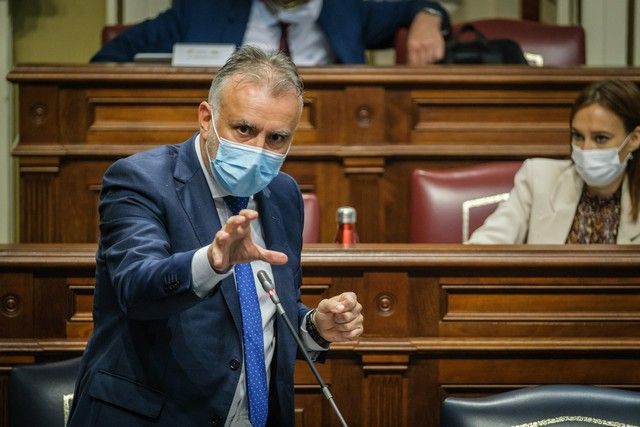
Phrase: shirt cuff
(308, 341)
(204, 277)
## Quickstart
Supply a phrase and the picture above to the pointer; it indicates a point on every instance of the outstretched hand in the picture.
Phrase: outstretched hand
(233, 244)
(339, 318)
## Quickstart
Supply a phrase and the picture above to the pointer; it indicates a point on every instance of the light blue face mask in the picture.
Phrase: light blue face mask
(243, 170)
(599, 167)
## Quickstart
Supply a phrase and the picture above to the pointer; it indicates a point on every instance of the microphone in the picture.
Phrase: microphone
(268, 287)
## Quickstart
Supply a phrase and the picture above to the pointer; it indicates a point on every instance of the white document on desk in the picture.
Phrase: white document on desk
(201, 54)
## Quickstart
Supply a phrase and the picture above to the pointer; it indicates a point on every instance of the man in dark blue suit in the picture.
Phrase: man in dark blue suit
(319, 31)
(178, 312)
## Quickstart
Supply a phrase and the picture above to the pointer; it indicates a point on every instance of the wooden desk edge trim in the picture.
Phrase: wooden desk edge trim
(449, 345)
(352, 74)
(376, 255)
(82, 149)
(382, 255)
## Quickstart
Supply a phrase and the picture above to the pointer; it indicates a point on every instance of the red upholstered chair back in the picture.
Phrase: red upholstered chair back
(558, 44)
(447, 205)
(311, 231)
(112, 31)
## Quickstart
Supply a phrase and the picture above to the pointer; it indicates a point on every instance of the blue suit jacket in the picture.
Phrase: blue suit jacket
(159, 355)
(351, 26)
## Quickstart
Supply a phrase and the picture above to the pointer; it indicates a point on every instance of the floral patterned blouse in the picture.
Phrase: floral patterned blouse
(596, 219)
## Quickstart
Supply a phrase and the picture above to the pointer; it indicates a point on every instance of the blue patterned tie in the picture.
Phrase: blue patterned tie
(257, 392)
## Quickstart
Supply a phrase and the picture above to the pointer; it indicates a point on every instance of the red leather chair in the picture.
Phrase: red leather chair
(557, 44)
(311, 230)
(447, 205)
(112, 31)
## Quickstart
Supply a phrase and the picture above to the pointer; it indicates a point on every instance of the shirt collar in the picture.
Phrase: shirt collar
(306, 13)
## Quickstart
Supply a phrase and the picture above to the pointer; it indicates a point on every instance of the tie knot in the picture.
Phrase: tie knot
(235, 203)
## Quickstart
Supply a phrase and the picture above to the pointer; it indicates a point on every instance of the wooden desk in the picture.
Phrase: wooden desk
(440, 320)
(363, 130)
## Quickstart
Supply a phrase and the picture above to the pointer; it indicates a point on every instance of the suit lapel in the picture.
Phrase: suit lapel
(273, 228)
(195, 196)
(556, 218)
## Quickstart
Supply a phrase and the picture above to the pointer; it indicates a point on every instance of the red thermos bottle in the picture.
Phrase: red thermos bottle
(346, 233)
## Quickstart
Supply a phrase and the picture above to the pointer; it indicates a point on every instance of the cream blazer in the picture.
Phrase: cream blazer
(542, 205)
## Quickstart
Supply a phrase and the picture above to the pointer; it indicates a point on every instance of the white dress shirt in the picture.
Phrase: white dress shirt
(205, 279)
(307, 43)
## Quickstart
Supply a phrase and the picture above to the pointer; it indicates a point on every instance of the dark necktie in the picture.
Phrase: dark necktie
(284, 38)
(252, 338)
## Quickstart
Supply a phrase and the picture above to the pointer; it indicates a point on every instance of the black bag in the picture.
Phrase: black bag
(480, 50)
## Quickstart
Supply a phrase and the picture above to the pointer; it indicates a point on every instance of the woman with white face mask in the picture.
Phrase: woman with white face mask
(592, 198)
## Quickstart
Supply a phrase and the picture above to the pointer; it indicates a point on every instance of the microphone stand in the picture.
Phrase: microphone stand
(268, 287)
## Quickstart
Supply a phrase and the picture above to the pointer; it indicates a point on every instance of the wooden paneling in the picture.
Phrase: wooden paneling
(491, 114)
(39, 113)
(16, 305)
(363, 130)
(440, 320)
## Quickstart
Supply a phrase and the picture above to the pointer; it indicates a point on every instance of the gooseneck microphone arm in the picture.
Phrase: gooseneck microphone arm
(268, 287)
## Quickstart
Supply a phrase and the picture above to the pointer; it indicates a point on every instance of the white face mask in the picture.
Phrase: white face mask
(600, 167)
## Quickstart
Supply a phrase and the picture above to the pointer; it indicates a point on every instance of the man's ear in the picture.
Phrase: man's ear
(635, 139)
(204, 119)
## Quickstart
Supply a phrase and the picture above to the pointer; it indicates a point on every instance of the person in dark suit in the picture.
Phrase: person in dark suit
(318, 31)
(183, 333)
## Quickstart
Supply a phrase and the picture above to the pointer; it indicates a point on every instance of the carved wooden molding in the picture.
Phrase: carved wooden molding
(38, 113)
(410, 347)
(622, 258)
(80, 323)
(395, 364)
(37, 200)
(385, 390)
(364, 165)
(315, 152)
(11, 304)
(562, 300)
(39, 165)
(316, 285)
(394, 75)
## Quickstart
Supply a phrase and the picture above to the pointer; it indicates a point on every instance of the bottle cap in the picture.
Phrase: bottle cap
(346, 215)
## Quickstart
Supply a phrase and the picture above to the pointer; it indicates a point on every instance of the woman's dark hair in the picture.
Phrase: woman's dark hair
(623, 99)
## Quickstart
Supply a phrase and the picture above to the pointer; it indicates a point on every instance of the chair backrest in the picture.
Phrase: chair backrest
(110, 32)
(574, 405)
(311, 231)
(447, 205)
(41, 394)
(557, 44)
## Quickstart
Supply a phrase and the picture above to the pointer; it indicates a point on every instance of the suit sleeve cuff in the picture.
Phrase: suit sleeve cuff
(204, 277)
